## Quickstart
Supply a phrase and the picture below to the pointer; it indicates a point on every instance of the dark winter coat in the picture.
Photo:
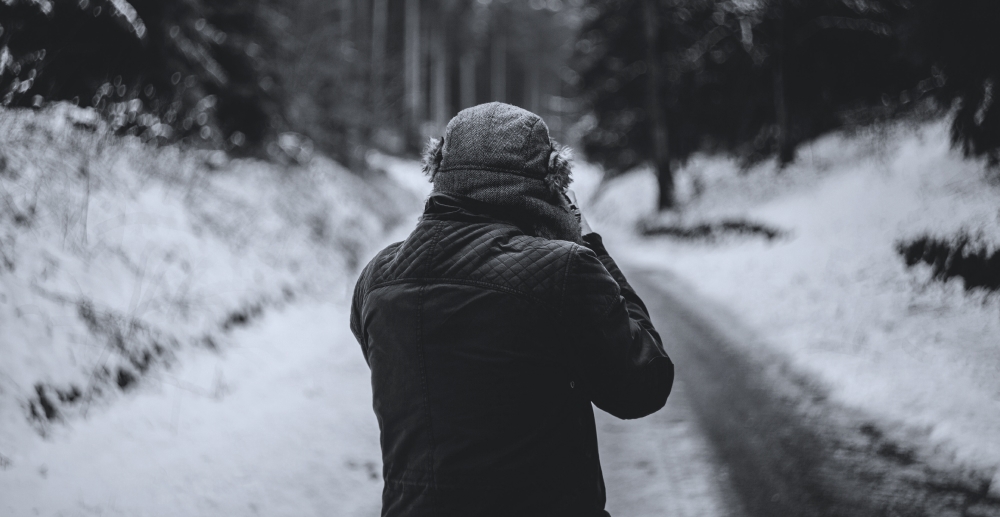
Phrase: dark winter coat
(487, 347)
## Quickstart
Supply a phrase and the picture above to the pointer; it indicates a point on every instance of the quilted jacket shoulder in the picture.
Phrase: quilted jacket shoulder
(590, 290)
(493, 255)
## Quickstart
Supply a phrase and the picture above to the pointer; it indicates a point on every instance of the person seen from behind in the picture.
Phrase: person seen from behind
(493, 330)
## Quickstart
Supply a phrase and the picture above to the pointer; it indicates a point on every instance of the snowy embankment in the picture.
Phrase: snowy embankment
(833, 296)
(127, 384)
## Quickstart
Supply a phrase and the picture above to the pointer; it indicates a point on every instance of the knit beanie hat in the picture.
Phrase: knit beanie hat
(502, 155)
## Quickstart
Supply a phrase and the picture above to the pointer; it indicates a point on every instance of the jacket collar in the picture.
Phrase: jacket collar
(454, 207)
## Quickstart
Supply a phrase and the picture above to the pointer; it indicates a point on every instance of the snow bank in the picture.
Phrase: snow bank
(115, 257)
(278, 424)
(921, 357)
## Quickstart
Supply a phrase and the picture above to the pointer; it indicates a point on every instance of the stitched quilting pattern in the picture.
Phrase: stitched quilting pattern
(496, 254)
(375, 271)
(590, 289)
(403, 260)
(501, 256)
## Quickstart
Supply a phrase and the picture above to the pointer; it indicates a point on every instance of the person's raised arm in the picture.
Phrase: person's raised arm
(625, 370)
(592, 240)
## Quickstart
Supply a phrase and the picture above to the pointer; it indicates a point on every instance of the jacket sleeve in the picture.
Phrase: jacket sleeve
(369, 275)
(624, 367)
(356, 314)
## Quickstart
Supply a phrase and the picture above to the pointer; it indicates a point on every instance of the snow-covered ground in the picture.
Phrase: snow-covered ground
(128, 383)
(278, 424)
(833, 296)
(278, 421)
(128, 247)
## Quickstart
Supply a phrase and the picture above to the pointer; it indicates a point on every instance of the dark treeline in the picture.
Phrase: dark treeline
(650, 81)
(178, 70)
(391, 73)
(756, 78)
(235, 74)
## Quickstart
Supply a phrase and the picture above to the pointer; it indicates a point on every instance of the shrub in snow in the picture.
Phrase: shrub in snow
(962, 256)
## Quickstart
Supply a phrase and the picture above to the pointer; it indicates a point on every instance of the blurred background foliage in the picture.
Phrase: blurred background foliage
(631, 82)
(758, 78)
(185, 70)
(278, 78)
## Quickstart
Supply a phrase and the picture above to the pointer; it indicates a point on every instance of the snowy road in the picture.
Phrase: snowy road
(787, 449)
(280, 423)
(662, 465)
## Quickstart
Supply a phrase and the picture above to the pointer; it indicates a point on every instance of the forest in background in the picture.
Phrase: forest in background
(757, 78)
(267, 77)
(631, 82)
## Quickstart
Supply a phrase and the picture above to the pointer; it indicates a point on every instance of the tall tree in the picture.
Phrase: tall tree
(654, 89)
(380, 24)
(414, 68)
(440, 84)
(785, 148)
(346, 19)
(467, 78)
(498, 63)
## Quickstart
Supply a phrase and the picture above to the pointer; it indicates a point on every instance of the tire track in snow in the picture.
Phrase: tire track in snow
(789, 450)
(662, 465)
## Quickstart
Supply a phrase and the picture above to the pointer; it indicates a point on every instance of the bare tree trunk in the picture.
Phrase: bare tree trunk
(467, 78)
(498, 65)
(660, 137)
(786, 151)
(346, 19)
(557, 110)
(439, 84)
(353, 16)
(532, 84)
(361, 24)
(380, 22)
(414, 79)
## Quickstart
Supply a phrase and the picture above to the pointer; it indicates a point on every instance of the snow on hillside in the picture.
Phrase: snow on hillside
(920, 356)
(280, 424)
(126, 272)
(109, 248)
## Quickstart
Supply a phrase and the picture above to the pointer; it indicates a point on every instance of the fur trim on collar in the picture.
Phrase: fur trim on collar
(560, 168)
(432, 156)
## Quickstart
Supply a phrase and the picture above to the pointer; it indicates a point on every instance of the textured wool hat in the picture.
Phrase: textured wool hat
(502, 155)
